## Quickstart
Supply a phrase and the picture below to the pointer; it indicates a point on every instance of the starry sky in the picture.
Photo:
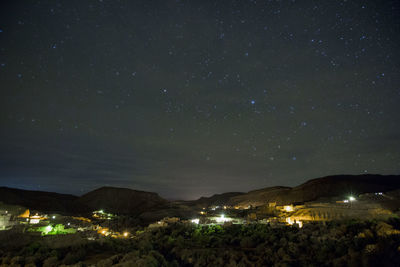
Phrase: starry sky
(191, 98)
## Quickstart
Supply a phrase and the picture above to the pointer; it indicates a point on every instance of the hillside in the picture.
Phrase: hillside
(214, 200)
(122, 200)
(40, 200)
(128, 201)
(330, 186)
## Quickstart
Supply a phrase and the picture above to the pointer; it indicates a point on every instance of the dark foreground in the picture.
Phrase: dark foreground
(350, 243)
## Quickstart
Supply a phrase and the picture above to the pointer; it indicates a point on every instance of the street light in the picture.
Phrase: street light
(351, 198)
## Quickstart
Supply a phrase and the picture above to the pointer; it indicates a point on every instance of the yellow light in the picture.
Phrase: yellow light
(126, 234)
(103, 232)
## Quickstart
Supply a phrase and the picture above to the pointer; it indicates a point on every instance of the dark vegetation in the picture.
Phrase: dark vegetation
(350, 243)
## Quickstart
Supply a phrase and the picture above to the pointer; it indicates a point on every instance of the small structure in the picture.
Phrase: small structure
(285, 208)
(5, 221)
(25, 214)
(158, 224)
(292, 221)
(171, 220)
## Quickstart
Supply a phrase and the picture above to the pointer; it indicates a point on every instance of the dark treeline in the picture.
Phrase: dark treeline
(350, 243)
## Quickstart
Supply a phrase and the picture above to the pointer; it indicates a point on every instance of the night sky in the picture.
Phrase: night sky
(191, 98)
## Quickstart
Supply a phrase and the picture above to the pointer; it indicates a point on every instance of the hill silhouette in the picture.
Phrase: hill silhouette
(325, 187)
(134, 202)
(122, 200)
(39, 200)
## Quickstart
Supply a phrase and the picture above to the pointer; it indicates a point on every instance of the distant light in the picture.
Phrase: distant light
(53, 217)
(48, 228)
(222, 219)
(126, 234)
(289, 221)
(196, 221)
(101, 211)
(252, 102)
(34, 221)
(351, 198)
(68, 223)
(346, 201)
(288, 208)
(300, 223)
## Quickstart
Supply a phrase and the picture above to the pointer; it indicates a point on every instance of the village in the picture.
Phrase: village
(101, 224)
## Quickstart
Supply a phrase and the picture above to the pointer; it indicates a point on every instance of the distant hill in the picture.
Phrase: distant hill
(111, 199)
(122, 200)
(214, 200)
(40, 200)
(150, 205)
(330, 186)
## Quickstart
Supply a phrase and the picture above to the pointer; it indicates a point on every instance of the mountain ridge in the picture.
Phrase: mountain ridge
(313, 189)
(135, 202)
